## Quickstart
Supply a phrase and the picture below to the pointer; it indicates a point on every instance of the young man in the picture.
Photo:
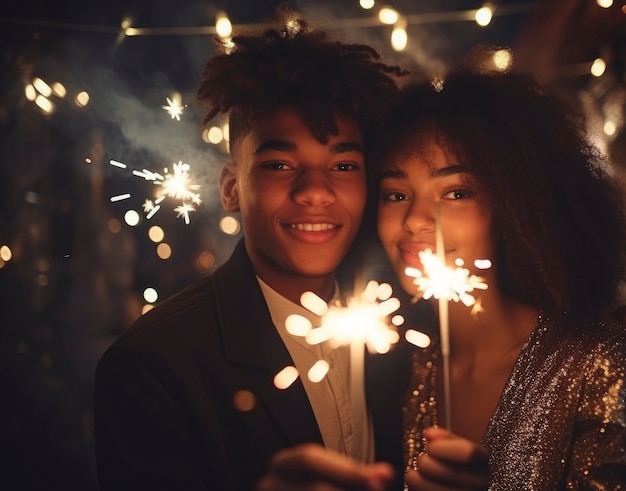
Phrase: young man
(185, 398)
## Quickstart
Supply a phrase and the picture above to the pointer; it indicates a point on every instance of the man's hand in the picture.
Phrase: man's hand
(311, 467)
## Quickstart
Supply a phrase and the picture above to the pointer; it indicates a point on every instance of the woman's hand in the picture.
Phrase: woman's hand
(312, 467)
(451, 463)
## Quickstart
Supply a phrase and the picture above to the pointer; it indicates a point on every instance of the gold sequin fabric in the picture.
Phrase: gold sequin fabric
(560, 423)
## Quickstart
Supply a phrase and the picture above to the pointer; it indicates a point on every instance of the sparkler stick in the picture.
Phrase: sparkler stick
(444, 328)
(362, 323)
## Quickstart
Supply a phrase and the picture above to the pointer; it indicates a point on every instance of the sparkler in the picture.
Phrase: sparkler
(361, 323)
(173, 107)
(176, 185)
(446, 284)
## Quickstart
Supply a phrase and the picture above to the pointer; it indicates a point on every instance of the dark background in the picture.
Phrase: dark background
(77, 271)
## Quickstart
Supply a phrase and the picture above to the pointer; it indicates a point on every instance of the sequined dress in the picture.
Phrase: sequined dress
(560, 423)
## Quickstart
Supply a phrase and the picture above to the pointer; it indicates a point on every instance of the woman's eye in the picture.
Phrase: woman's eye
(460, 193)
(395, 196)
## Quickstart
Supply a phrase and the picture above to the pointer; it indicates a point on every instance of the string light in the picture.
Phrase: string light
(483, 16)
(598, 67)
(387, 15)
(223, 26)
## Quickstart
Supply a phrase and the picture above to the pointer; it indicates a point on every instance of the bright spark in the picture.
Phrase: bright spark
(366, 320)
(120, 197)
(441, 282)
(176, 185)
(174, 108)
(363, 320)
(183, 210)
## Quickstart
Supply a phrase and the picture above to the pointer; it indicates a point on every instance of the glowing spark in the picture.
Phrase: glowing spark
(183, 210)
(152, 212)
(117, 164)
(363, 320)
(477, 308)
(174, 108)
(120, 197)
(148, 206)
(176, 185)
(441, 282)
(147, 175)
(417, 338)
(285, 377)
(318, 371)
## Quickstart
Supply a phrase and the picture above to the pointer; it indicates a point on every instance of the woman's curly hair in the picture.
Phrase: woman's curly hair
(557, 212)
(296, 65)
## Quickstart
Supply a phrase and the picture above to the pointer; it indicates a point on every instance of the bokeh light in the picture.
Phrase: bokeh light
(598, 67)
(204, 261)
(156, 233)
(132, 218)
(387, 15)
(150, 295)
(230, 225)
(164, 251)
(5, 253)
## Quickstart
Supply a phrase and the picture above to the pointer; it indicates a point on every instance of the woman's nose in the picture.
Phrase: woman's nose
(420, 217)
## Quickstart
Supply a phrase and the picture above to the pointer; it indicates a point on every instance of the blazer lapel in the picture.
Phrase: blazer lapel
(250, 339)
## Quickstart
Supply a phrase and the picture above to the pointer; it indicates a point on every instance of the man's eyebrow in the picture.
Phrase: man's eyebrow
(280, 145)
(288, 146)
(345, 147)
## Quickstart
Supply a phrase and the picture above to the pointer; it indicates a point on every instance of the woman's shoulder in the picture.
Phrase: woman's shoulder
(597, 342)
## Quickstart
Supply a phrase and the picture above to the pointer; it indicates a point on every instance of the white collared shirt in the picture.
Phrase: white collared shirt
(344, 427)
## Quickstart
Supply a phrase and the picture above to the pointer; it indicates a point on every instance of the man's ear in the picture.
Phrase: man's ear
(229, 191)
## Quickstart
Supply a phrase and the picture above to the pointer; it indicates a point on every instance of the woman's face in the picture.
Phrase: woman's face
(411, 190)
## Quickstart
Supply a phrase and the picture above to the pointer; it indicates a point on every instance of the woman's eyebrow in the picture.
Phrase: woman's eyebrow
(393, 173)
(450, 170)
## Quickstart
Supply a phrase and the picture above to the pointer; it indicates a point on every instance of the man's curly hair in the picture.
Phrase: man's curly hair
(557, 213)
(295, 65)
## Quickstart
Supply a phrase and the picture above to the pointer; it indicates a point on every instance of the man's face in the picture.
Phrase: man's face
(301, 201)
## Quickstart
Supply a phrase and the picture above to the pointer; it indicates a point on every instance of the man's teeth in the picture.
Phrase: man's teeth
(313, 227)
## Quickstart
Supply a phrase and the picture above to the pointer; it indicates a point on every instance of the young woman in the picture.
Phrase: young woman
(537, 367)
(502, 171)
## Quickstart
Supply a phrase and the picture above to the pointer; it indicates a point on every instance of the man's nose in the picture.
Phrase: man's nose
(313, 187)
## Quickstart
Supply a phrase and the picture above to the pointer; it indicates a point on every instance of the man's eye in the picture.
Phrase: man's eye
(276, 166)
(345, 166)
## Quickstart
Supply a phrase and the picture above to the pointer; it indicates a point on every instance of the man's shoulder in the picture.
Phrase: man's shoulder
(179, 312)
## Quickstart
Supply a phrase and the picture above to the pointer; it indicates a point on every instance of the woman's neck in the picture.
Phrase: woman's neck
(499, 326)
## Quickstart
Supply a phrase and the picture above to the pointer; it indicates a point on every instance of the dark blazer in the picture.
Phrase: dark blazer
(169, 391)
